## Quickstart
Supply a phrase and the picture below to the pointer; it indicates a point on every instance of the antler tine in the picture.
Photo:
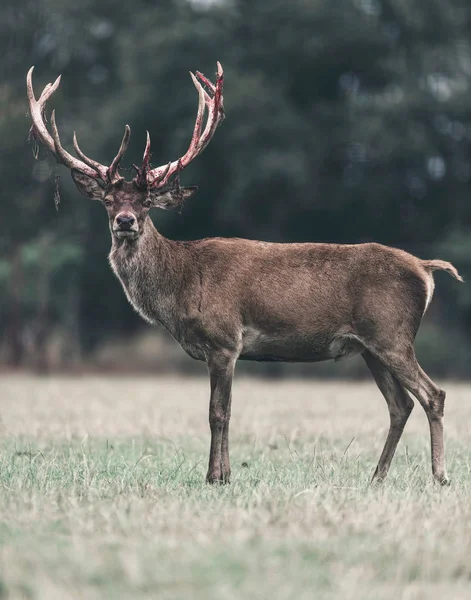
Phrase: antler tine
(206, 81)
(160, 176)
(68, 160)
(96, 166)
(217, 110)
(113, 170)
(207, 97)
(53, 143)
(209, 84)
(110, 174)
(164, 173)
(141, 176)
(199, 115)
(38, 128)
(147, 154)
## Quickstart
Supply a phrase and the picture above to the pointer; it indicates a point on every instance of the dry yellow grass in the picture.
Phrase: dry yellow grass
(103, 493)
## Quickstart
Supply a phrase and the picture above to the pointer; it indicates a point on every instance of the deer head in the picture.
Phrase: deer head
(128, 202)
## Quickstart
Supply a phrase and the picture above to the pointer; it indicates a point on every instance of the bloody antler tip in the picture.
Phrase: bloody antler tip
(195, 81)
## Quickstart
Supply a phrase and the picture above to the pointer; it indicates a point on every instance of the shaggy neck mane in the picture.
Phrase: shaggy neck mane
(150, 271)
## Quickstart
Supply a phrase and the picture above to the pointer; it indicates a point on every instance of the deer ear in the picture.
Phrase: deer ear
(172, 198)
(87, 185)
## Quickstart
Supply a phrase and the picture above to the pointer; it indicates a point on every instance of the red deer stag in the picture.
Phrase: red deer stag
(230, 299)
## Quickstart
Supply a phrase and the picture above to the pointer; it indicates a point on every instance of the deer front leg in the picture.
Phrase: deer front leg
(225, 461)
(221, 371)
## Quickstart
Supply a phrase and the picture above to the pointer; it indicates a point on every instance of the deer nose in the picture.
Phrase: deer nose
(125, 221)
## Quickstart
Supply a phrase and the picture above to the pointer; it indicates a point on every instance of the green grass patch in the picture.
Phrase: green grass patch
(128, 515)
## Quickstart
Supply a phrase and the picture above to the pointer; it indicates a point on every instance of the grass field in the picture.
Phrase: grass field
(102, 494)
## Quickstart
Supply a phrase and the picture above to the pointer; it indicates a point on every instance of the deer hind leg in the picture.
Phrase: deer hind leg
(400, 406)
(405, 368)
(221, 371)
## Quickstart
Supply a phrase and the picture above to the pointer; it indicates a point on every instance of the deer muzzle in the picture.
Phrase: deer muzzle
(125, 225)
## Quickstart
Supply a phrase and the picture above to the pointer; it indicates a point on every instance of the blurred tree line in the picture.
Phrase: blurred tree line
(347, 121)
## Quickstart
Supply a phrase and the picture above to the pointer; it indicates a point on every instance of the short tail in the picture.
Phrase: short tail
(441, 265)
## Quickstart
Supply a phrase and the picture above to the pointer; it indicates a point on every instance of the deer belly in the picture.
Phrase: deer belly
(291, 347)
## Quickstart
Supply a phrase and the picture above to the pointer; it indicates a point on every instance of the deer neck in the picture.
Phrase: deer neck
(149, 269)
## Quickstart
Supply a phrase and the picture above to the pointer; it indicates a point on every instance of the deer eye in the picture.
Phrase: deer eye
(108, 202)
(147, 203)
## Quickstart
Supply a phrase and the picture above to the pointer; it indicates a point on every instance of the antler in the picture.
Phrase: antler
(40, 132)
(160, 176)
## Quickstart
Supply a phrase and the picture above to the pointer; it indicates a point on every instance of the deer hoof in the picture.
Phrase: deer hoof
(217, 478)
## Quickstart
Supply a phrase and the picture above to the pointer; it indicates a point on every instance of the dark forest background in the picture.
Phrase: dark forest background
(347, 121)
